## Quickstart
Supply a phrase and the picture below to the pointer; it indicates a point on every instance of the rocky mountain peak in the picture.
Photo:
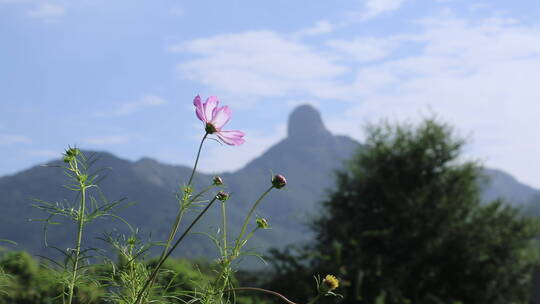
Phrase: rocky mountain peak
(306, 122)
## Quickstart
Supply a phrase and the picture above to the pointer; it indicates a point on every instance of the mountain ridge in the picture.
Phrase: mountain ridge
(308, 156)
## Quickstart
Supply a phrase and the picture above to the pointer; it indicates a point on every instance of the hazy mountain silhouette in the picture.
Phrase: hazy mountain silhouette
(308, 156)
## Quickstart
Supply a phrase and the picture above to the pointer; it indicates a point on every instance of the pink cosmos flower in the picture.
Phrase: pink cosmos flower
(215, 118)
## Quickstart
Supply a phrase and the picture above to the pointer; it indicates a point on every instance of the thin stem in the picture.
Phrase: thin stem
(225, 270)
(79, 240)
(224, 215)
(277, 294)
(239, 243)
(246, 221)
(183, 208)
(179, 217)
(197, 160)
(191, 200)
(251, 234)
(155, 272)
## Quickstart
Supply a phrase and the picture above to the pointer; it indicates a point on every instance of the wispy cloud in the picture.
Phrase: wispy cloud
(260, 64)
(47, 11)
(374, 8)
(479, 75)
(10, 139)
(458, 68)
(320, 27)
(135, 106)
(364, 49)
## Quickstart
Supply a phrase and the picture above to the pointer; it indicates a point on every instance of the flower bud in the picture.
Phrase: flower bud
(262, 223)
(187, 190)
(72, 152)
(218, 181)
(82, 178)
(330, 282)
(222, 261)
(279, 181)
(131, 241)
(222, 196)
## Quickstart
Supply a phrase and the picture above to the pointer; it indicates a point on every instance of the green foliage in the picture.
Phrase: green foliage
(292, 275)
(406, 225)
(88, 205)
(28, 283)
(4, 279)
(183, 280)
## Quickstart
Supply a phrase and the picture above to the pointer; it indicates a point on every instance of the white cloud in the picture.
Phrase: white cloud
(108, 140)
(374, 8)
(132, 107)
(320, 27)
(479, 75)
(363, 49)
(260, 64)
(10, 139)
(47, 11)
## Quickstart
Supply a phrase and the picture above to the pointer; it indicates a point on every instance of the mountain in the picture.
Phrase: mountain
(501, 184)
(308, 156)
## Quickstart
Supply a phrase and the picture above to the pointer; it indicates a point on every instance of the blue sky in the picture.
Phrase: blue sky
(120, 75)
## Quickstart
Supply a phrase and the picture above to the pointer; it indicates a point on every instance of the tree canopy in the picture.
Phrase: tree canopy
(405, 224)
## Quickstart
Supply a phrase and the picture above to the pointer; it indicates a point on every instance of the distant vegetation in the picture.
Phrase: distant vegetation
(33, 283)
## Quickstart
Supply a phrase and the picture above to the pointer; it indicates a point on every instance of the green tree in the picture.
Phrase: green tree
(32, 283)
(28, 282)
(405, 225)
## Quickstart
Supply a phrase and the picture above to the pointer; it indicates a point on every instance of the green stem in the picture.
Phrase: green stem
(225, 255)
(197, 160)
(194, 198)
(239, 243)
(224, 215)
(250, 234)
(156, 270)
(78, 244)
(246, 221)
(183, 208)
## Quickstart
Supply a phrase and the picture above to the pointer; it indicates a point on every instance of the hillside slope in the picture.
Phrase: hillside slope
(308, 156)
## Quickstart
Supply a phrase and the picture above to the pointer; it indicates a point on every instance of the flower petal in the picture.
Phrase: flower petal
(233, 138)
(209, 105)
(220, 117)
(199, 109)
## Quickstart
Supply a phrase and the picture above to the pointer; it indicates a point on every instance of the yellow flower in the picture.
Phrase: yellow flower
(331, 282)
